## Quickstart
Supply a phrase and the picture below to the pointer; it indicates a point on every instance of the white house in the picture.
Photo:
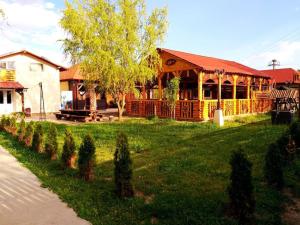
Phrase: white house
(21, 74)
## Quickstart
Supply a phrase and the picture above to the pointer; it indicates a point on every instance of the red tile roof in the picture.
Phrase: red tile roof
(211, 64)
(282, 75)
(10, 85)
(73, 73)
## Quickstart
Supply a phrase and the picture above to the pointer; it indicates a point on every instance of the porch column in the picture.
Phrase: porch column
(159, 88)
(248, 91)
(220, 76)
(74, 93)
(200, 87)
(22, 100)
(260, 84)
(235, 77)
(144, 94)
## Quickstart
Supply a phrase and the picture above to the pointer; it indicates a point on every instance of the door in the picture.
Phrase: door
(6, 105)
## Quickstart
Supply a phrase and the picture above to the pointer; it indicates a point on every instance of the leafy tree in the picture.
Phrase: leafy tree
(242, 202)
(123, 167)
(114, 42)
(38, 138)
(86, 158)
(69, 148)
(28, 134)
(171, 93)
(51, 145)
(273, 167)
(21, 131)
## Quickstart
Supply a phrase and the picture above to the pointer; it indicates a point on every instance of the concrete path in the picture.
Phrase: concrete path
(24, 202)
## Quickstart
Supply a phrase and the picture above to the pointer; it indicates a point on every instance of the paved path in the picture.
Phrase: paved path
(24, 202)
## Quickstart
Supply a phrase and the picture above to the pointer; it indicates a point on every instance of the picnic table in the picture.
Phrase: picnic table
(79, 115)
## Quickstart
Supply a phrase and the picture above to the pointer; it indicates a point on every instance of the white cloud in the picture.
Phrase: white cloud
(50, 5)
(32, 25)
(286, 52)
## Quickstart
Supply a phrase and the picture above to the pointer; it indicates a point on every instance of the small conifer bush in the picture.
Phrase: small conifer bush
(295, 132)
(273, 167)
(51, 144)
(12, 129)
(69, 148)
(86, 158)
(38, 138)
(21, 130)
(123, 167)
(28, 134)
(242, 202)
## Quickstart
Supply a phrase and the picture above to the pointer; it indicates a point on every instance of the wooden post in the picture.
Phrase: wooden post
(75, 94)
(144, 94)
(235, 77)
(159, 87)
(248, 91)
(260, 84)
(22, 99)
(219, 90)
(200, 86)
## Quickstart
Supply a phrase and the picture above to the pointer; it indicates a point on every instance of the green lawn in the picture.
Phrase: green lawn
(181, 171)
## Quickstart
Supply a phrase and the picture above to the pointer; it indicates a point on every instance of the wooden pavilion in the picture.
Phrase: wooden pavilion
(241, 89)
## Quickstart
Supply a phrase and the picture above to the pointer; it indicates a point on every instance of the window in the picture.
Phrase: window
(8, 97)
(7, 65)
(1, 97)
(36, 67)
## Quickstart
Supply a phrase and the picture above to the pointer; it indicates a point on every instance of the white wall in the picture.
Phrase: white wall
(51, 85)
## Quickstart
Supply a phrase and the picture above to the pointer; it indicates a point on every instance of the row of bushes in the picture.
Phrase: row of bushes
(32, 136)
(279, 155)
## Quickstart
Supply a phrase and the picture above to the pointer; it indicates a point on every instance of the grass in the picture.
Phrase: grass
(181, 171)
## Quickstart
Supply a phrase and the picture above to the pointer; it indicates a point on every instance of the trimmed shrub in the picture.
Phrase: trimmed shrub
(12, 129)
(295, 132)
(51, 144)
(273, 167)
(240, 190)
(2, 122)
(21, 131)
(38, 138)
(123, 167)
(69, 148)
(28, 134)
(282, 143)
(86, 158)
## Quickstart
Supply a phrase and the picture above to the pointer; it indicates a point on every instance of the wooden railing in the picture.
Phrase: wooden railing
(194, 110)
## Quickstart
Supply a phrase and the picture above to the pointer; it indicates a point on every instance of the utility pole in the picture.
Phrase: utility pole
(274, 63)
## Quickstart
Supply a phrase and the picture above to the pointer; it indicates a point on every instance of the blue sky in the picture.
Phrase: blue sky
(251, 32)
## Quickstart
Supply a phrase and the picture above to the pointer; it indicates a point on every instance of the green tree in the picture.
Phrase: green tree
(171, 93)
(274, 167)
(115, 42)
(242, 202)
(86, 158)
(123, 167)
(38, 138)
(69, 148)
(51, 145)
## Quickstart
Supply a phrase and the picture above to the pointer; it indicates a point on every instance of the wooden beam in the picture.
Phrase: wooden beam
(200, 86)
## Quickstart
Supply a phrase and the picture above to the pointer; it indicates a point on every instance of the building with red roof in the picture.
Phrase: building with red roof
(21, 74)
(286, 77)
(203, 80)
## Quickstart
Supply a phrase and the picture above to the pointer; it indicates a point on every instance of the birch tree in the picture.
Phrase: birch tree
(115, 42)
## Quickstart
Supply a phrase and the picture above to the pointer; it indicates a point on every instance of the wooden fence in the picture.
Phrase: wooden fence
(194, 110)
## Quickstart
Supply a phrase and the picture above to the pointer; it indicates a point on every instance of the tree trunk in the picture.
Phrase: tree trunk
(121, 106)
